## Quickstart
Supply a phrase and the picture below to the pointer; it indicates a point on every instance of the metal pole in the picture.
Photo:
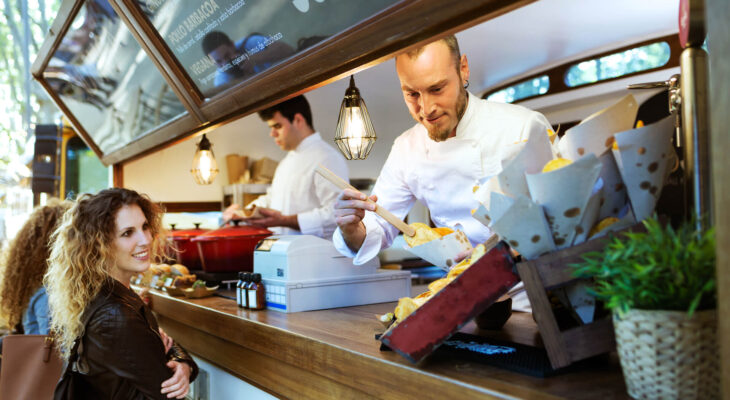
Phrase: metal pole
(696, 138)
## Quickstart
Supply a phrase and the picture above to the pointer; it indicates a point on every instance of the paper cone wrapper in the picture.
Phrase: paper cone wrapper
(625, 222)
(485, 188)
(614, 190)
(595, 133)
(499, 205)
(643, 157)
(564, 194)
(535, 153)
(442, 252)
(481, 214)
(525, 228)
(590, 215)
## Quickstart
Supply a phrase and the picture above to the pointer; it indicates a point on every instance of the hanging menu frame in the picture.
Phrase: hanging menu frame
(404, 25)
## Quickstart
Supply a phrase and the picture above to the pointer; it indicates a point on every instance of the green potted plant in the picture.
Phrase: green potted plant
(660, 285)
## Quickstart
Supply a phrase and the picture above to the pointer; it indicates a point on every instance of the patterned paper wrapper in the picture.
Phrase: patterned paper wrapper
(525, 228)
(442, 252)
(590, 215)
(564, 194)
(535, 153)
(595, 133)
(644, 157)
(614, 191)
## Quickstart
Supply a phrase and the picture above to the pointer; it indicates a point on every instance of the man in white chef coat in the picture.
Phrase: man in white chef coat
(299, 200)
(458, 139)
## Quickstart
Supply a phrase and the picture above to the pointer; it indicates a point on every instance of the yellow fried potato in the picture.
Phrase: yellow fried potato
(424, 234)
(551, 135)
(458, 269)
(439, 284)
(405, 307)
(426, 294)
(443, 231)
(603, 224)
(557, 163)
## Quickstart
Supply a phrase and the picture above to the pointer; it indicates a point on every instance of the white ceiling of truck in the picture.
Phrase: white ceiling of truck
(549, 32)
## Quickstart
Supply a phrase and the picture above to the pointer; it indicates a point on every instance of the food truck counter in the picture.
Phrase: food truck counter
(333, 354)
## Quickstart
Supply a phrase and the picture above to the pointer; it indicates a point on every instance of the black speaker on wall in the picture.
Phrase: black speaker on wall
(46, 166)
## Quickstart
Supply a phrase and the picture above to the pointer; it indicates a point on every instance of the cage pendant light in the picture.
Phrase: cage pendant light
(204, 167)
(355, 134)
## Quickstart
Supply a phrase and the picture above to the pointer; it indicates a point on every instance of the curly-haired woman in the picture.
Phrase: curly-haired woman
(22, 295)
(102, 242)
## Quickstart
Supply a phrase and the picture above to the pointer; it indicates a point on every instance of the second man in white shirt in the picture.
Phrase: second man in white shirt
(299, 200)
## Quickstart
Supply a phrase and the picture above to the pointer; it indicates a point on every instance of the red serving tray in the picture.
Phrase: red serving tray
(472, 292)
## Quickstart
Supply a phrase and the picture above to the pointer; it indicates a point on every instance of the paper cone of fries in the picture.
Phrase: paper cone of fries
(535, 153)
(524, 227)
(595, 133)
(614, 191)
(443, 251)
(590, 215)
(644, 157)
(564, 194)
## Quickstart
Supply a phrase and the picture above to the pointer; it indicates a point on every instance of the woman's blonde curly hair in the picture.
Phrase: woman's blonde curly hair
(82, 256)
(25, 261)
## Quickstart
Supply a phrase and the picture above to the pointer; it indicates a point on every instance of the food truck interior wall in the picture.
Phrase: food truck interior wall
(497, 53)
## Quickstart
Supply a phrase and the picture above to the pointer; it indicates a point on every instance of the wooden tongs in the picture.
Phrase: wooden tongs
(387, 215)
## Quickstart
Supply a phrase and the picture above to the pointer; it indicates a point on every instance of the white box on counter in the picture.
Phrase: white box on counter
(317, 294)
(304, 272)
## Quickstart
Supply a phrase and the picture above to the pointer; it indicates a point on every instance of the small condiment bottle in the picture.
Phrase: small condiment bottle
(239, 290)
(244, 289)
(256, 293)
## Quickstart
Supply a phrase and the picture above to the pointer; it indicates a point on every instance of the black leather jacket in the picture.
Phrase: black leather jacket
(121, 354)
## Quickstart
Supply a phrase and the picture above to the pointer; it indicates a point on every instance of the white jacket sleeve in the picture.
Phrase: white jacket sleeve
(393, 195)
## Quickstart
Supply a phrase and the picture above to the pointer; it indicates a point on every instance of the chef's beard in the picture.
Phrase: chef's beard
(441, 134)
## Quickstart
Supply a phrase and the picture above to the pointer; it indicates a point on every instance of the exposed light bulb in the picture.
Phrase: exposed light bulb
(355, 135)
(204, 168)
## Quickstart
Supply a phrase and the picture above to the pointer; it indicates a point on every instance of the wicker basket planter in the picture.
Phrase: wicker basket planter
(666, 355)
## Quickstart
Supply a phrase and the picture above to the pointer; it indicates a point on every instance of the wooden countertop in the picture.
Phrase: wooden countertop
(333, 354)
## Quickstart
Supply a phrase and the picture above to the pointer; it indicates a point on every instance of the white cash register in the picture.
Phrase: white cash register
(303, 272)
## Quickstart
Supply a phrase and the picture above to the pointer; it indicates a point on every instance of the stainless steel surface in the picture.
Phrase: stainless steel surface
(695, 118)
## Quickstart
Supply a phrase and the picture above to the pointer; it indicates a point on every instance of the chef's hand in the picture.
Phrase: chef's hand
(350, 209)
(462, 256)
(271, 217)
(179, 384)
(232, 213)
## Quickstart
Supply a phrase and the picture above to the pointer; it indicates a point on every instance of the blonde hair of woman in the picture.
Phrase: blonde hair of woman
(82, 256)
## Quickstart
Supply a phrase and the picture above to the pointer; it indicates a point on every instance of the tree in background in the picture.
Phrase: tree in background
(23, 27)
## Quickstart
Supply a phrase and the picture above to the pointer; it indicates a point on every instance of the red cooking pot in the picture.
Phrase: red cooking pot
(187, 251)
(229, 249)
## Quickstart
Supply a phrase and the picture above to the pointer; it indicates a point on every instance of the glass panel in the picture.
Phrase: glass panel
(84, 171)
(522, 90)
(223, 42)
(611, 66)
(107, 81)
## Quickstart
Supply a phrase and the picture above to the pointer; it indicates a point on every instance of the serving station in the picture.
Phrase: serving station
(333, 354)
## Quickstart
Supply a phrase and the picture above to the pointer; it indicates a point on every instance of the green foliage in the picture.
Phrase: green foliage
(660, 269)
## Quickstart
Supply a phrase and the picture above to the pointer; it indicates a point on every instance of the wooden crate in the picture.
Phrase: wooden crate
(553, 271)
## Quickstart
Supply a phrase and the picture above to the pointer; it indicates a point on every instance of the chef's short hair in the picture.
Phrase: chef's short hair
(288, 109)
(450, 42)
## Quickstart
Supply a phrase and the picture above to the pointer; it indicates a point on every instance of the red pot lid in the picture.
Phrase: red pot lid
(233, 232)
(186, 233)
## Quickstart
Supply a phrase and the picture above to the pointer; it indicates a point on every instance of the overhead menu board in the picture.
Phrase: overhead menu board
(223, 42)
(104, 78)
